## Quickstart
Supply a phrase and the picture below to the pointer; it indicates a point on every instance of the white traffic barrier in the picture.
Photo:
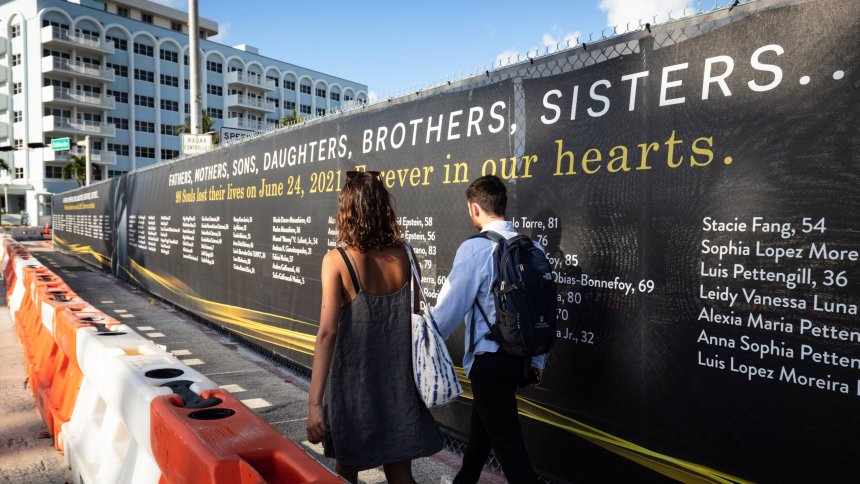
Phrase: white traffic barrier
(107, 440)
(4, 253)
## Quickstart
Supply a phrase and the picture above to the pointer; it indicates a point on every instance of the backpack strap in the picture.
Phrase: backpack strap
(352, 273)
(472, 326)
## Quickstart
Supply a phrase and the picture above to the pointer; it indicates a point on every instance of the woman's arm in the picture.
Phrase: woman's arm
(332, 288)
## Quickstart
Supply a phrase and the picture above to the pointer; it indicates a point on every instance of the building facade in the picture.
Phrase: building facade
(118, 72)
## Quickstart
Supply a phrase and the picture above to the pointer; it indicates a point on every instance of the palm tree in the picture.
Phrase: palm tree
(185, 127)
(287, 120)
(76, 168)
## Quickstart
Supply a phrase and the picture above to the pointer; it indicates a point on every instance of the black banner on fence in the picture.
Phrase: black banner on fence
(696, 190)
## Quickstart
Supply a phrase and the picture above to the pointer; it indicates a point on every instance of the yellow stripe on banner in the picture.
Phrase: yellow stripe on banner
(247, 319)
(84, 249)
(669, 466)
(241, 317)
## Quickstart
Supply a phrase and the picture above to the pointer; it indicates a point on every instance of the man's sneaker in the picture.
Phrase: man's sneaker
(447, 479)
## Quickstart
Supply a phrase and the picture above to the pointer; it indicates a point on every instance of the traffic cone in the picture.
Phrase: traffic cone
(47, 230)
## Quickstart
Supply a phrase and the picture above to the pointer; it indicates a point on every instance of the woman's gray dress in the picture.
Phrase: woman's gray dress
(371, 408)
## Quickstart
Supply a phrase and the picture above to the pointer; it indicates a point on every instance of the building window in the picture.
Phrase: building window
(16, 60)
(168, 105)
(214, 66)
(143, 49)
(168, 80)
(320, 111)
(306, 89)
(215, 113)
(120, 123)
(119, 96)
(144, 126)
(335, 96)
(19, 143)
(271, 121)
(187, 84)
(175, 27)
(146, 18)
(144, 152)
(277, 102)
(289, 85)
(120, 150)
(203, 34)
(16, 31)
(187, 108)
(19, 173)
(63, 113)
(306, 109)
(169, 55)
(119, 69)
(169, 154)
(289, 105)
(144, 75)
(17, 88)
(168, 130)
(17, 116)
(145, 101)
(116, 173)
(234, 69)
(214, 90)
(321, 93)
(347, 97)
(53, 171)
(118, 44)
(122, 12)
(272, 79)
(186, 59)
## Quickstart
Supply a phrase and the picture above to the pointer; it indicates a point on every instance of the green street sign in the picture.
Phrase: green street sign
(60, 144)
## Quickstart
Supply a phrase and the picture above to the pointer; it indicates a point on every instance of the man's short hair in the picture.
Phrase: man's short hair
(489, 193)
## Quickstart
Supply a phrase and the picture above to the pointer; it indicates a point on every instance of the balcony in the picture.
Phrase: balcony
(58, 124)
(100, 157)
(72, 68)
(76, 40)
(54, 94)
(253, 81)
(242, 123)
(247, 102)
(3, 73)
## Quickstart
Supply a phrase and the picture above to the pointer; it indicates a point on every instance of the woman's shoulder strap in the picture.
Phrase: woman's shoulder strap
(352, 272)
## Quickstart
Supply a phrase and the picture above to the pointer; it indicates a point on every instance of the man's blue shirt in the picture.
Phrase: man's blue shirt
(471, 277)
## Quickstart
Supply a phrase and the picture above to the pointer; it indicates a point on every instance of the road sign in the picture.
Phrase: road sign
(235, 134)
(60, 144)
(193, 144)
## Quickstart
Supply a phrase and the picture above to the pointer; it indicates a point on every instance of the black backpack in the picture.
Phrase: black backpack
(525, 298)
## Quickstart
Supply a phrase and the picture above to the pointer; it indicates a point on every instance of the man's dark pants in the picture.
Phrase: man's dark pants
(495, 422)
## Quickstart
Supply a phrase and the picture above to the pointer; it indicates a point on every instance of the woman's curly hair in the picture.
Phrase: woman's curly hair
(365, 217)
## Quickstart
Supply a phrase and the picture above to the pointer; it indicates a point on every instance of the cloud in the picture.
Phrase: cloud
(508, 56)
(223, 33)
(555, 41)
(620, 12)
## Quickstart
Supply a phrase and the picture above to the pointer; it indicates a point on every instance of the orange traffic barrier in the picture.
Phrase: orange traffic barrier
(225, 443)
(56, 375)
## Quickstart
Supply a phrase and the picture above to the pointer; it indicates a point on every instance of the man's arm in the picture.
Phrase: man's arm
(458, 293)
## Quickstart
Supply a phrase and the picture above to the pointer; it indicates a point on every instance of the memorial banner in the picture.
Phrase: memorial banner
(695, 188)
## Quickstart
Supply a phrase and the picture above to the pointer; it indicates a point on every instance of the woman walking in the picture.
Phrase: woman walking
(363, 405)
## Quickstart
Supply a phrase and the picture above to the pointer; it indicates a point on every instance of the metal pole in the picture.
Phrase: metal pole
(6, 197)
(194, 66)
(88, 157)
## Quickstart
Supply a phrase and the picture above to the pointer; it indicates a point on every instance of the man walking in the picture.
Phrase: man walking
(495, 374)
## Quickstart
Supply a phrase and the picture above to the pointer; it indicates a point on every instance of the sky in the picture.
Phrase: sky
(389, 45)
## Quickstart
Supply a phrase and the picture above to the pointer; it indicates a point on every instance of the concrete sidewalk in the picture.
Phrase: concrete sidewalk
(276, 394)
(27, 453)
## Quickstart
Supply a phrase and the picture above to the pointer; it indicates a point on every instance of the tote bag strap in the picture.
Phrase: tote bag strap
(416, 281)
